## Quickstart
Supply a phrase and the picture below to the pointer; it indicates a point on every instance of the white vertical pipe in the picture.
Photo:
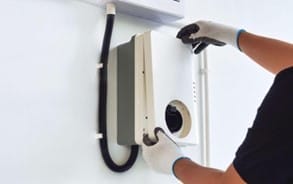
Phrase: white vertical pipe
(205, 107)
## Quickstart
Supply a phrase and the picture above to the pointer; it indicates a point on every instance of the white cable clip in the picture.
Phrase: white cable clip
(99, 136)
(99, 65)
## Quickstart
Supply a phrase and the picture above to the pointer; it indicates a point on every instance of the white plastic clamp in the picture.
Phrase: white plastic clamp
(99, 65)
(99, 136)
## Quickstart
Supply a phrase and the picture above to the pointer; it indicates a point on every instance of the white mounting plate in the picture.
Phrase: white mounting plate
(155, 10)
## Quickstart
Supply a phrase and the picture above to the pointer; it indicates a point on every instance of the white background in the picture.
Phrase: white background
(48, 86)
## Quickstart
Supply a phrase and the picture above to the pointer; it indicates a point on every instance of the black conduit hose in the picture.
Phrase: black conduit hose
(103, 105)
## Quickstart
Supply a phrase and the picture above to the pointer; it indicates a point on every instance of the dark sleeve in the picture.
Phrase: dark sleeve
(266, 155)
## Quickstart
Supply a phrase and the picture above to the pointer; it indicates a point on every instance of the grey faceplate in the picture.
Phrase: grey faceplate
(126, 93)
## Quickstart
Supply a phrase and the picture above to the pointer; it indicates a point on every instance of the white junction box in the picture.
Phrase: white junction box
(156, 87)
(156, 10)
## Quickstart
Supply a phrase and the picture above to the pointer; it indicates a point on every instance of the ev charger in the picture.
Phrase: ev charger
(156, 10)
(156, 87)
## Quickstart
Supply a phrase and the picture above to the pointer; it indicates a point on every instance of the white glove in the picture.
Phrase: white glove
(162, 155)
(202, 33)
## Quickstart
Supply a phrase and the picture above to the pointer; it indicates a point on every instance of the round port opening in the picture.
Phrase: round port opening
(173, 119)
(178, 119)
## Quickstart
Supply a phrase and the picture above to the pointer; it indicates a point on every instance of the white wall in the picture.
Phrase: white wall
(48, 86)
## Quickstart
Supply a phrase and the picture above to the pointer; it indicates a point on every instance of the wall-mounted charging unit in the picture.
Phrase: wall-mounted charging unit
(156, 10)
(156, 84)
(156, 88)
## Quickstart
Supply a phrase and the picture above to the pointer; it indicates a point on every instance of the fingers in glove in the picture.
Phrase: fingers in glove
(147, 141)
(157, 129)
(162, 136)
(212, 41)
(200, 47)
(203, 42)
(185, 32)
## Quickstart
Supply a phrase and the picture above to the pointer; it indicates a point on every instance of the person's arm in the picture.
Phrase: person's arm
(274, 55)
(190, 172)
(166, 157)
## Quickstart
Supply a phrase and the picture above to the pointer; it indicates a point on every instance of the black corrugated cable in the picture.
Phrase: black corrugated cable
(103, 100)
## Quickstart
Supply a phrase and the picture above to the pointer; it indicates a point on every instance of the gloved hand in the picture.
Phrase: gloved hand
(202, 33)
(162, 155)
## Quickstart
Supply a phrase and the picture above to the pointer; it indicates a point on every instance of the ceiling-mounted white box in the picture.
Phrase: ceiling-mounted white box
(156, 10)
